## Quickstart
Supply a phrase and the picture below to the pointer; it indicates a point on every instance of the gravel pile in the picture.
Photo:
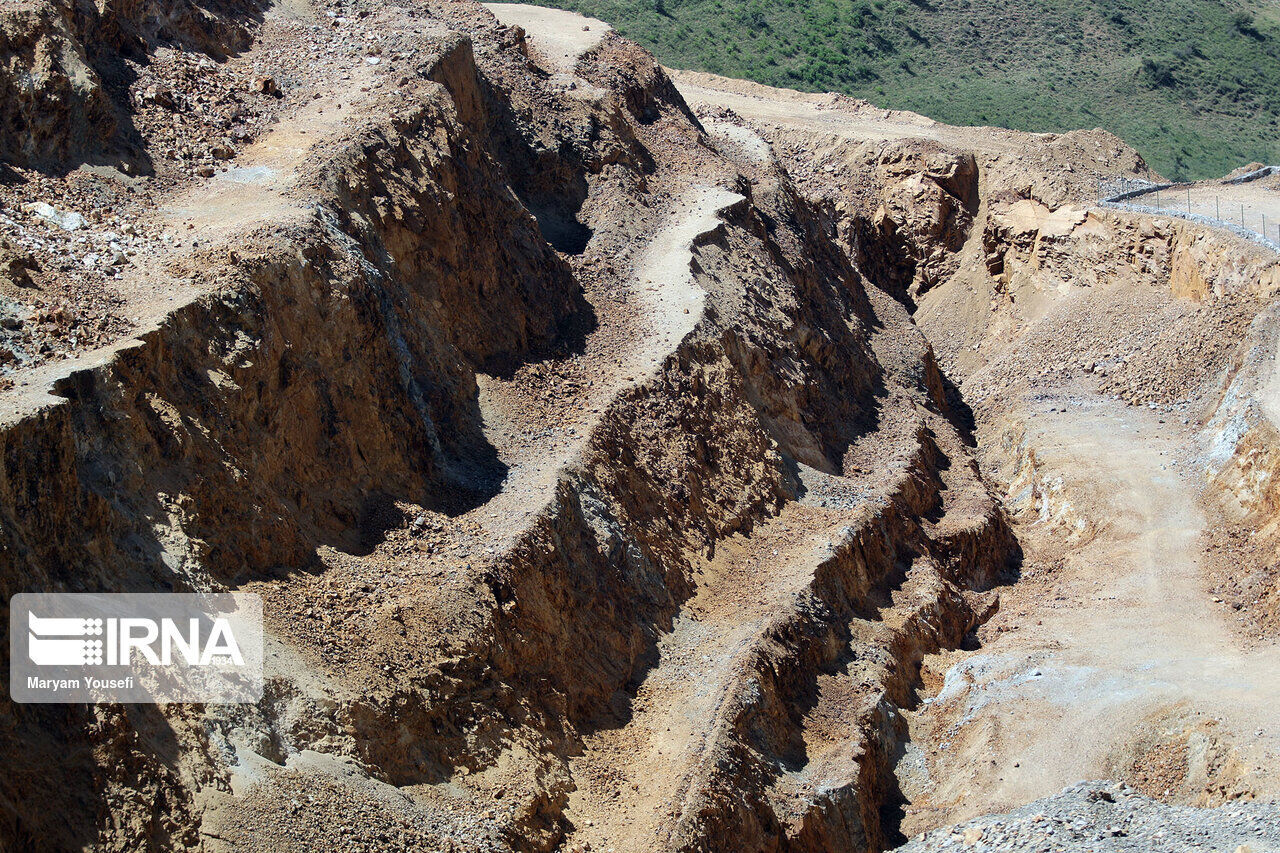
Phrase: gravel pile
(1104, 816)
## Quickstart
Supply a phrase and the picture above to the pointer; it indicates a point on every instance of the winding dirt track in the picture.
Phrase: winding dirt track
(622, 352)
(823, 114)
(633, 780)
(1121, 651)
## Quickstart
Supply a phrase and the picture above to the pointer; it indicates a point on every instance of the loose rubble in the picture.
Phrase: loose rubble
(1099, 816)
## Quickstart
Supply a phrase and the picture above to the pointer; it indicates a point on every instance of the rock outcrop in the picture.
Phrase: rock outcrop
(587, 450)
(1118, 370)
(493, 380)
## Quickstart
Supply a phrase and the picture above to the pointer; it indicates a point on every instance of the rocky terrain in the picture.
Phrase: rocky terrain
(1093, 816)
(627, 460)
(1118, 370)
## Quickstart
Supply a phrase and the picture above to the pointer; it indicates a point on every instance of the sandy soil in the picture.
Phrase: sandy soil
(1254, 206)
(560, 38)
(632, 780)
(1111, 658)
(1114, 646)
(834, 114)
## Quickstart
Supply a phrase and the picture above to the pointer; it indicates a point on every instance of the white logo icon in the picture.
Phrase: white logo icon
(69, 642)
(64, 642)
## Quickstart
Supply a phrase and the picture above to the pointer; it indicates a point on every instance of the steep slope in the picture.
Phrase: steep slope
(1193, 84)
(579, 429)
(1119, 369)
(525, 403)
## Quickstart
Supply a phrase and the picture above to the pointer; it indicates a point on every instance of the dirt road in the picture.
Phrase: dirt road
(1115, 662)
(633, 781)
(1253, 206)
(664, 305)
(825, 113)
(560, 38)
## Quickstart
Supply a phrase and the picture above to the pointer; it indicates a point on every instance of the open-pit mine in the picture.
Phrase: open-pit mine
(627, 459)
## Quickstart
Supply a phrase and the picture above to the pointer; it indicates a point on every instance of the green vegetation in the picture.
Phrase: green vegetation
(1193, 84)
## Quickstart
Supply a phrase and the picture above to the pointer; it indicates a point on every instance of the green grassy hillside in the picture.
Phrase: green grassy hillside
(1193, 84)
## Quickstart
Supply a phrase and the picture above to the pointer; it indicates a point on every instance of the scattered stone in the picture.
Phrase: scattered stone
(267, 85)
(16, 266)
(67, 221)
(1092, 817)
(160, 95)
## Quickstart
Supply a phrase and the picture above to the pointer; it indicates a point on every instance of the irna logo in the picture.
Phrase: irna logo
(135, 647)
(63, 641)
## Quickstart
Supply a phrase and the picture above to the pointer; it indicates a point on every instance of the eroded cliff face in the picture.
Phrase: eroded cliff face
(382, 400)
(588, 450)
(542, 419)
(928, 200)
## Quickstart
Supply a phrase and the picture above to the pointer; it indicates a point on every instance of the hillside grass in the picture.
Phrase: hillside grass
(1192, 84)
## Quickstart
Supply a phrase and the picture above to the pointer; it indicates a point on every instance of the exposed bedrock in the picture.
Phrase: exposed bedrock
(63, 81)
(341, 386)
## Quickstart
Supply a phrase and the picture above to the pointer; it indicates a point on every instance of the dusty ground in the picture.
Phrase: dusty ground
(1257, 203)
(1099, 816)
(1254, 206)
(1112, 635)
(558, 43)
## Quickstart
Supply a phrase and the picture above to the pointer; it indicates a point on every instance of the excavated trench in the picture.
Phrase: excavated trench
(579, 554)
(601, 487)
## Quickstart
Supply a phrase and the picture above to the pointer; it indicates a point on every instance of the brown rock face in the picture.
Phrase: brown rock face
(1120, 368)
(55, 107)
(928, 200)
(595, 496)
